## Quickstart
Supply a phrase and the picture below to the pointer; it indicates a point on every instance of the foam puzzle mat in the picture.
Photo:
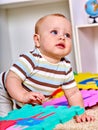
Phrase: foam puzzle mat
(54, 111)
(38, 117)
(90, 98)
(87, 80)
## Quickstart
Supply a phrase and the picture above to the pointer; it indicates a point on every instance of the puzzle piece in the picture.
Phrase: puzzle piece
(51, 113)
(87, 80)
(28, 117)
(90, 98)
(84, 81)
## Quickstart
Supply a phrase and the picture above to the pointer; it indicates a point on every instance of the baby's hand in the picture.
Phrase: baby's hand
(33, 98)
(84, 118)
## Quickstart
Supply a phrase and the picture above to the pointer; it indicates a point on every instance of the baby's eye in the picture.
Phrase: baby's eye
(67, 35)
(54, 32)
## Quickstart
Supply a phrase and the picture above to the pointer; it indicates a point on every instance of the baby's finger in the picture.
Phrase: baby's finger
(35, 98)
(39, 96)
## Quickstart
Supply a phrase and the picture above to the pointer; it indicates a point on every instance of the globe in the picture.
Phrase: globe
(91, 7)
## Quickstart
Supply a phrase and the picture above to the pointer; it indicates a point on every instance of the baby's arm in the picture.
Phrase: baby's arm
(15, 89)
(74, 98)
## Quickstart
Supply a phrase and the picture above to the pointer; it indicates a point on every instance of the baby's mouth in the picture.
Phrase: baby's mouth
(61, 45)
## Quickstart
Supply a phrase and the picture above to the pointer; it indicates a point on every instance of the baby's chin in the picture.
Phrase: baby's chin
(61, 55)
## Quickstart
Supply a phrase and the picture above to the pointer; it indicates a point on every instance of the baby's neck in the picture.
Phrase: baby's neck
(51, 59)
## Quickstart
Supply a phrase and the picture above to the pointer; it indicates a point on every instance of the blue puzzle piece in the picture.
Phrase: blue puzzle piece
(29, 121)
(95, 79)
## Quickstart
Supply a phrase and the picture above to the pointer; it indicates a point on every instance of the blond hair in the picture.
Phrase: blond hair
(43, 18)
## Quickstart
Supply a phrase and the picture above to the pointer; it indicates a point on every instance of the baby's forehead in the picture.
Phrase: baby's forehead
(53, 18)
(52, 21)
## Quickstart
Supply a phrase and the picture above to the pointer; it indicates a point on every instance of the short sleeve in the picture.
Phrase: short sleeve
(69, 80)
(23, 66)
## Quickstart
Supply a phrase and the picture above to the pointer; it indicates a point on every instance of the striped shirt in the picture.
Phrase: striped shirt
(39, 75)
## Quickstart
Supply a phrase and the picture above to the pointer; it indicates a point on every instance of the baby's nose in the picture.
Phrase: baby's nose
(62, 37)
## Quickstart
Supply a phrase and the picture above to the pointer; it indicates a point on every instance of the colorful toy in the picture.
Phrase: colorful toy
(38, 117)
(88, 85)
(52, 112)
(90, 98)
(91, 8)
(87, 81)
(57, 93)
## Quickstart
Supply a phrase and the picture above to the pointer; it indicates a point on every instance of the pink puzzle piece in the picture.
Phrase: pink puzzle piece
(14, 127)
(90, 98)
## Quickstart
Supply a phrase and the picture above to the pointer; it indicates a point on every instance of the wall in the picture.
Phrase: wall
(19, 29)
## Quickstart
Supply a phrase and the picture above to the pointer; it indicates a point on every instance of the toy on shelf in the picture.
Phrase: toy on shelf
(38, 117)
(91, 8)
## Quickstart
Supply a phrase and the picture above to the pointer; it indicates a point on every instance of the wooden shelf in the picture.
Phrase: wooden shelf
(87, 25)
(22, 3)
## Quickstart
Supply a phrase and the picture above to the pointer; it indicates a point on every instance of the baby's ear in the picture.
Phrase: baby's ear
(37, 40)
